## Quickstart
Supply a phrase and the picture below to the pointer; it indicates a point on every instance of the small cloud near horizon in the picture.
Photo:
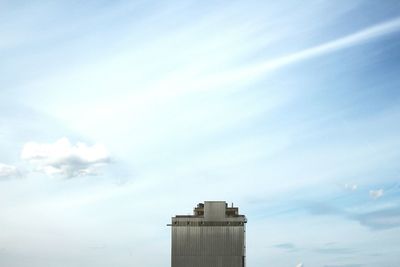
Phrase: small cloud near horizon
(375, 194)
(351, 187)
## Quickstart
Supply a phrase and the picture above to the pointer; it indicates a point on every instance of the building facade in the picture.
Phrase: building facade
(214, 236)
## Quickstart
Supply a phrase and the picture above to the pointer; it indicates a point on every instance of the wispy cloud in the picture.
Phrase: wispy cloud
(356, 38)
(375, 194)
(334, 250)
(195, 80)
(8, 171)
(286, 246)
(381, 219)
(351, 187)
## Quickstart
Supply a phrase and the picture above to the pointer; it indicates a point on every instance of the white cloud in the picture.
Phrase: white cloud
(375, 194)
(63, 158)
(7, 171)
(351, 187)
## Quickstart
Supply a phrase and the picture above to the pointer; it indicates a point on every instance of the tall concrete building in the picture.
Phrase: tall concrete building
(214, 236)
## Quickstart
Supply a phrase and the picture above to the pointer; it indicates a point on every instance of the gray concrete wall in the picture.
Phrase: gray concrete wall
(208, 246)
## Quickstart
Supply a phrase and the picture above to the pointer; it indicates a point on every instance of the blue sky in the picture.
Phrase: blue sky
(116, 116)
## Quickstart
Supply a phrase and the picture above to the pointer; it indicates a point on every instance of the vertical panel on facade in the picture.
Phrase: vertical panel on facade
(213, 237)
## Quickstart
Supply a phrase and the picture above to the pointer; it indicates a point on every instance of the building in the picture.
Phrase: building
(214, 236)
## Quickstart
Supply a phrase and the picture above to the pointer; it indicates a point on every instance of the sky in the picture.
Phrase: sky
(117, 115)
